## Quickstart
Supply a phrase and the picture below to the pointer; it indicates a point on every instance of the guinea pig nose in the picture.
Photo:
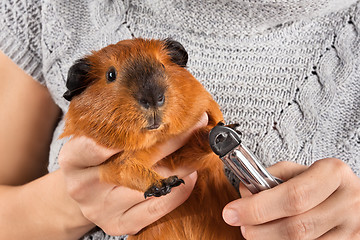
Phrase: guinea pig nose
(160, 100)
(145, 103)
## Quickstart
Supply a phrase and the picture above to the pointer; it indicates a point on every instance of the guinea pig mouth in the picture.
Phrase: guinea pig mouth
(153, 127)
(154, 122)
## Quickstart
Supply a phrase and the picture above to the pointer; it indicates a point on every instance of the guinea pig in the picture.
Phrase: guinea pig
(135, 95)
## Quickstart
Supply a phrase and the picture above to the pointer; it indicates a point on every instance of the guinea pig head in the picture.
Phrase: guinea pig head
(133, 94)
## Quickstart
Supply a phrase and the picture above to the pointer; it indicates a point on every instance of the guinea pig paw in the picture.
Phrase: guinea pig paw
(163, 187)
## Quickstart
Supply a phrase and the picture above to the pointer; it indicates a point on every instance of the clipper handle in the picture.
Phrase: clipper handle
(226, 143)
(249, 170)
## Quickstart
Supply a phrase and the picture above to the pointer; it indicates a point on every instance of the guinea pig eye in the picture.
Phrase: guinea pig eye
(111, 75)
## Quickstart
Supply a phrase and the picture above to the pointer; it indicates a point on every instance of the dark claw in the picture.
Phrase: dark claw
(163, 187)
(234, 127)
(220, 124)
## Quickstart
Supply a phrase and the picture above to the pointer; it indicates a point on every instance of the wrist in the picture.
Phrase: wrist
(50, 211)
(73, 222)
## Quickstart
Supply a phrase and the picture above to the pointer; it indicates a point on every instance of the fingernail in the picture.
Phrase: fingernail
(242, 230)
(203, 121)
(193, 175)
(230, 216)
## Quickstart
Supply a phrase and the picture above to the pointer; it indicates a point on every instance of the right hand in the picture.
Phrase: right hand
(116, 209)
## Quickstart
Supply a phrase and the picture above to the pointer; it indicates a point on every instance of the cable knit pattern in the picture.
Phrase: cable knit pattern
(298, 123)
(286, 71)
(21, 29)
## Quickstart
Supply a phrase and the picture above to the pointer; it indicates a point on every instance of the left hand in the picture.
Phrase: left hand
(317, 202)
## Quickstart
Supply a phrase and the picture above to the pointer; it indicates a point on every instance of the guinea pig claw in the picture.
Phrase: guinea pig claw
(163, 187)
(234, 126)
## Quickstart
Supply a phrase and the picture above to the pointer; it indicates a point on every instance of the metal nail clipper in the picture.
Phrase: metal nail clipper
(226, 143)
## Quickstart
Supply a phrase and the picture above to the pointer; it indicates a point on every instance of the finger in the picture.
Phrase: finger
(309, 225)
(133, 197)
(337, 233)
(244, 192)
(175, 143)
(293, 197)
(84, 186)
(283, 170)
(82, 152)
(286, 170)
(155, 208)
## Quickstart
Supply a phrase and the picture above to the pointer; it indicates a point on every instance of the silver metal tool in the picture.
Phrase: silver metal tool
(226, 143)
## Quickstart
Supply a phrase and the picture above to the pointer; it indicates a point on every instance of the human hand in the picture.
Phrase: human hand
(116, 209)
(317, 202)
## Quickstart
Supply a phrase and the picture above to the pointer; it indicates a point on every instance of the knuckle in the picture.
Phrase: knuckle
(71, 189)
(250, 233)
(335, 162)
(113, 228)
(341, 169)
(298, 228)
(125, 228)
(285, 164)
(297, 199)
(258, 212)
(67, 158)
(111, 231)
(75, 190)
(133, 231)
(94, 149)
(336, 165)
(90, 214)
(64, 160)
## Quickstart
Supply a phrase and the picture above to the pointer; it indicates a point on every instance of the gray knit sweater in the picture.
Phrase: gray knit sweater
(286, 71)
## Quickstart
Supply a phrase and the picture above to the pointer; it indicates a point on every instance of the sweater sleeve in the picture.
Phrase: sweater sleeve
(20, 35)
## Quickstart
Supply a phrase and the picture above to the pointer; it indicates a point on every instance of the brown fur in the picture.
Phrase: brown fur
(110, 114)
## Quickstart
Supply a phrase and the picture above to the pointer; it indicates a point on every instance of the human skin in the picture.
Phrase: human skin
(317, 202)
(33, 204)
(28, 117)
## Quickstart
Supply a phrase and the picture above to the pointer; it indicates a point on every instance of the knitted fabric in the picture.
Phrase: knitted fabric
(286, 71)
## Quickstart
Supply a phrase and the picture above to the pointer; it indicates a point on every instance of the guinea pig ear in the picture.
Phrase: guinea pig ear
(176, 51)
(77, 79)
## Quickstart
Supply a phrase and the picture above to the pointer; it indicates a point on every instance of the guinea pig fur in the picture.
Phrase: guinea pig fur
(135, 95)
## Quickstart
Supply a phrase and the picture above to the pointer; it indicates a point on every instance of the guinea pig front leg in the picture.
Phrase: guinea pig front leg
(129, 172)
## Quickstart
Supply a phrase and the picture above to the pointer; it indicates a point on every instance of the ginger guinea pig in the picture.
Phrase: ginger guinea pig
(134, 95)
